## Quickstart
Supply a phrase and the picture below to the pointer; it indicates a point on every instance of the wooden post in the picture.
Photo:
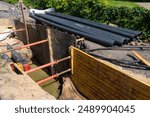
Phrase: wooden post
(24, 20)
(49, 35)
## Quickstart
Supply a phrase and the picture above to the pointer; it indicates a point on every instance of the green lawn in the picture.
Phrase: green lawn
(119, 3)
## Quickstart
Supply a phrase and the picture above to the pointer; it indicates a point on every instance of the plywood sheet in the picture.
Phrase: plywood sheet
(96, 79)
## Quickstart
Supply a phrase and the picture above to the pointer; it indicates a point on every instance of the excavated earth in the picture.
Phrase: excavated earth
(19, 87)
(12, 85)
(26, 88)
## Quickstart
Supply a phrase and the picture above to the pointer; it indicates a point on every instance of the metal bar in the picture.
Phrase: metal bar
(24, 20)
(24, 46)
(52, 77)
(48, 64)
(61, 73)
(19, 30)
(41, 67)
(63, 59)
(141, 58)
(33, 44)
(47, 79)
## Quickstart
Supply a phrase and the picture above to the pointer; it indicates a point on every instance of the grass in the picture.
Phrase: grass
(119, 3)
(116, 3)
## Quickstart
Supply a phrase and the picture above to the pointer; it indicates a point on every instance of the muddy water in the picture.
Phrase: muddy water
(51, 86)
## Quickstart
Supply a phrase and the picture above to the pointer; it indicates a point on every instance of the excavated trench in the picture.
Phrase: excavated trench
(60, 42)
(52, 86)
(42, 55)
(62, 87)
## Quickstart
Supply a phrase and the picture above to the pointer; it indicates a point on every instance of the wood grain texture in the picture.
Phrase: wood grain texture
(96, 79)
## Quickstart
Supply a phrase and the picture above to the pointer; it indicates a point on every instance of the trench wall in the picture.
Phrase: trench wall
(96, 79)
(60, 42)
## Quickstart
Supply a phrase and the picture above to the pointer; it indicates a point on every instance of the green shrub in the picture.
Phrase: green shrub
(11, 1)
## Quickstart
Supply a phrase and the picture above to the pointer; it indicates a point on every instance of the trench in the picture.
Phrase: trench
(51, 86)
(41, 54)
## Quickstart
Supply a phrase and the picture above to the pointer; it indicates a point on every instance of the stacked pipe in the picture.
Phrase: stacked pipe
(93, 31)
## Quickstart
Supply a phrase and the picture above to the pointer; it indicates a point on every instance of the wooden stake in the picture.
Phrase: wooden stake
(24, 20)
(49, 34)
(140, 57)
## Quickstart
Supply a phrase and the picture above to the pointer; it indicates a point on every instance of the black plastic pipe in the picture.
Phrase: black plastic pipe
(117, 30)
(16, 56)
(90, 37)
(119, 40)
(96, 31)
(87, 21)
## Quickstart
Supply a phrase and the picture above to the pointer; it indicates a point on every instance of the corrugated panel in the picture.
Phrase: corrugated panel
(98, 80)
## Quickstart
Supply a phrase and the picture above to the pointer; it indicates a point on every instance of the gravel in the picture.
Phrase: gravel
(9, 11)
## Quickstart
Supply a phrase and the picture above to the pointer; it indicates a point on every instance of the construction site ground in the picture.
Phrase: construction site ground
(122, 55)
(26, 88)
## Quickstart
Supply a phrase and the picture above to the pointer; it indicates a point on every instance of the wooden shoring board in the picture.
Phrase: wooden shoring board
(97, 79)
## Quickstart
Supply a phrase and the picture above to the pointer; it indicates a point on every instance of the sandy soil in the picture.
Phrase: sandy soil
(20, 87)
(69, 92)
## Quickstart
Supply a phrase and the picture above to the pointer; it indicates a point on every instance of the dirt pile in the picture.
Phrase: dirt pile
(69, 92)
